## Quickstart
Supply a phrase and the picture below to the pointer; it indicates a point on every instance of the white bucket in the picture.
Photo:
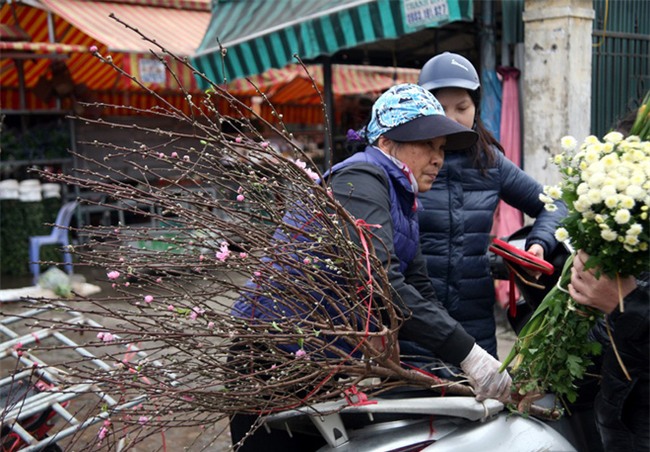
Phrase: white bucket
(51, 191)
(9, 189)
(30, 190)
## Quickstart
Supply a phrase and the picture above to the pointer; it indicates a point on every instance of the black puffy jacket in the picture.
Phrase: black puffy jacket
(455, 229)
(623, 405)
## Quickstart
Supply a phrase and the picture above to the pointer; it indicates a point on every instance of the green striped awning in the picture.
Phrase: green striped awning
(262, 34)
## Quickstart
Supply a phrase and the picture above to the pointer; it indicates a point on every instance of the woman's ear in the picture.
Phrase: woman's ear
(385, 143)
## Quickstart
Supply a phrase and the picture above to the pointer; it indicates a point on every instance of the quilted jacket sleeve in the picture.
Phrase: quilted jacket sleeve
(521, 191)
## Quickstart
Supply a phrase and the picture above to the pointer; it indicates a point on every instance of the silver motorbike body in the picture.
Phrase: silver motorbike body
(435, 424)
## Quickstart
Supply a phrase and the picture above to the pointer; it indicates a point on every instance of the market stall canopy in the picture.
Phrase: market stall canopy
(298, 85)
(295, 91)
(42, 31)
(247, 37)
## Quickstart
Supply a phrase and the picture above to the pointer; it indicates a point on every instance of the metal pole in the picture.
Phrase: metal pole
(329, 113)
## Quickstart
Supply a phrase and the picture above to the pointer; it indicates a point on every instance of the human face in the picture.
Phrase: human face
(424, 159)
(458, 105)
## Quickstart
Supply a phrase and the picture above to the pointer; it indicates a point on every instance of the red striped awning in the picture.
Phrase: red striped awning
(84, 67)
(180, 31)
(79, 25)
(38, 47)
(199, 5)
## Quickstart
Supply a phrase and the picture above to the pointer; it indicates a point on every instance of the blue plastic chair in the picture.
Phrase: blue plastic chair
(58, 236)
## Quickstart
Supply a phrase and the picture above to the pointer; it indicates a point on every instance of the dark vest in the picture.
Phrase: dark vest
(402, 207)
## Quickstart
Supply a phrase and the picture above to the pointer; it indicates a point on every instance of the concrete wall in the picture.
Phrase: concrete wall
(87, 133)
(557, 80)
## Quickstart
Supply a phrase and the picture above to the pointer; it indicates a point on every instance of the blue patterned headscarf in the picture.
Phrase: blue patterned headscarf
(399, 105)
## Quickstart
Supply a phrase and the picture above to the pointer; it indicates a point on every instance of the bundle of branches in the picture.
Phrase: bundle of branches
(228, 219)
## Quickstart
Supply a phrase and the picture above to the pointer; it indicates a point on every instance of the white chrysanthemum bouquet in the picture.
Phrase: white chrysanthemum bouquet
(606, 186)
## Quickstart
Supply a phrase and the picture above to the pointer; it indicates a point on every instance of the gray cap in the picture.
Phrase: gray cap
(449, 70)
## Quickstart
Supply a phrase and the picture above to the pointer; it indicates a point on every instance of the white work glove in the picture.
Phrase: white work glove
(484, 376)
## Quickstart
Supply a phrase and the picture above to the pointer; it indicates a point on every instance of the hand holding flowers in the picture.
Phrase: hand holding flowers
(606, 186)
(601, 293)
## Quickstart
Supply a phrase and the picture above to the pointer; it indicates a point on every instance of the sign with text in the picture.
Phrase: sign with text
(425, 13)
(151, 71)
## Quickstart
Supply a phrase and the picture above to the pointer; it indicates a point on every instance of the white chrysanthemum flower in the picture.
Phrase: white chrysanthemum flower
(646, 147)
(591, 139)
(600, 219)
(622, 183)
(592, 155)
(581, 204)
(588, 215)
(594, 196)
(545, 198)
(638, 155)
(582, 189)
(608, 147)
(635, 192)
(596, 180)
(608, 188)
(561, 234)
(635, 229)
(597, 167)
(568, 143)
(631, 240)
(624, 169)
(622, 216)
(609, 235)
(550, 207)
(558, 159)
(611, 201)
(626, 202)
(638, 178)
(613, 137)
(610, 161)
(554, 192)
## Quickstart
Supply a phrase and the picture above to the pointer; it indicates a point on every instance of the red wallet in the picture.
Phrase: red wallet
(520, 257)
(518, 262)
